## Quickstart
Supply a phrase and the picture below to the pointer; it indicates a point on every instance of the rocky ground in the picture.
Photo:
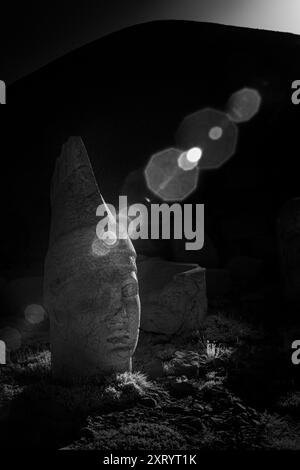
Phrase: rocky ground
(230, 386)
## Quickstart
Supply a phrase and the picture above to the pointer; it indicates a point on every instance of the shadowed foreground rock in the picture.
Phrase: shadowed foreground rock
(173, 297)
(90, 286)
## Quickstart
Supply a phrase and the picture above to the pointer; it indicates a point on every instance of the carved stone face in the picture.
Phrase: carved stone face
(120, 300)
(90, 284)
(93, 302)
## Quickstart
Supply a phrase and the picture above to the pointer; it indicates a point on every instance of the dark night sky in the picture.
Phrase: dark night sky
(34, 33)
(126, 94)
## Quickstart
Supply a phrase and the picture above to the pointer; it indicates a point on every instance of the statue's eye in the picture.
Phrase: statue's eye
(130, 289)
(130, 285)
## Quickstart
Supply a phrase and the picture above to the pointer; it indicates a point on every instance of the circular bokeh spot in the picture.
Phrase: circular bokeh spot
(184, 163)
(167, 176)
(243, 105)
(213, 132)
(110, 238)
(35, 314)
(194, 154)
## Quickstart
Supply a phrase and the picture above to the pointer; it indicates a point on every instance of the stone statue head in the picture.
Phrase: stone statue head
(90, 283)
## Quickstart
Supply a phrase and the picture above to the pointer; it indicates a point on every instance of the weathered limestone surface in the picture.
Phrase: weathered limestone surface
(173, 297)
(90, 287)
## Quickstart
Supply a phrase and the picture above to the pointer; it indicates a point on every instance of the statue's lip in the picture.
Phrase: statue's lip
(117, 325)
(119, 340)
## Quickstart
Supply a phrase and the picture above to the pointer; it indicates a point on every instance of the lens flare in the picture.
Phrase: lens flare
(215, 133)
(35, 314)
(243, 105)
(204, 129)
(109, 237)
(167, 176)
(184, 163)
(194, 154)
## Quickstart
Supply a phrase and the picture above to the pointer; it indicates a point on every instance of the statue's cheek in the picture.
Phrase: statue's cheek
(133, 308)
(131, 303)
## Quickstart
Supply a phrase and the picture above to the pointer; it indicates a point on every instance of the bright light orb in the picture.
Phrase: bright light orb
(215, 133)
(109, 238)
(34, 314)
(184, 163)
(167, 176)
(204, 129)
(188, 160)
(194, 154)
(243, 105)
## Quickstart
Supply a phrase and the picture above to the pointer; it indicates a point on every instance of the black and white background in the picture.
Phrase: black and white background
(123, 76)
